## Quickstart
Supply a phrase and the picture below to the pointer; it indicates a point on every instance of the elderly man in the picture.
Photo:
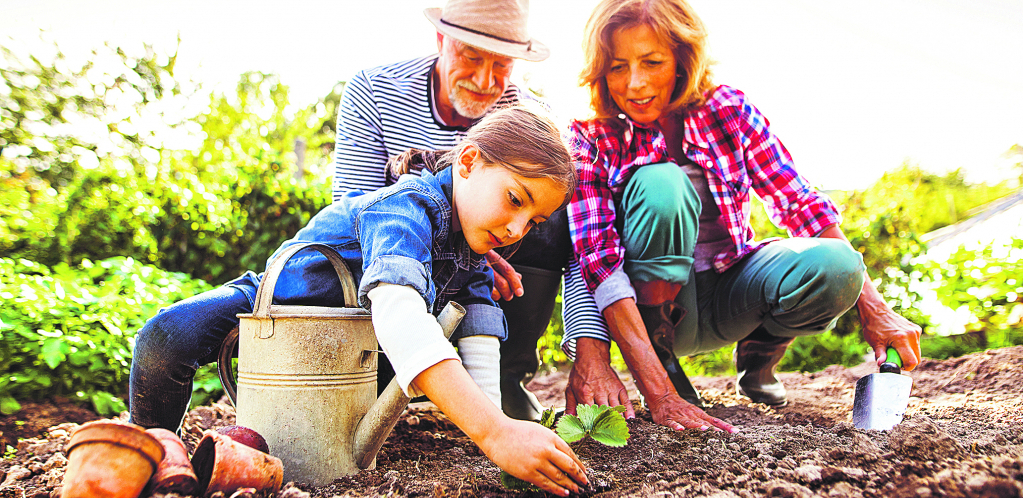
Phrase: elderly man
(429, 103)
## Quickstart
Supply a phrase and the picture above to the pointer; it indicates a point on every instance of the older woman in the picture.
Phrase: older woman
(666, 258)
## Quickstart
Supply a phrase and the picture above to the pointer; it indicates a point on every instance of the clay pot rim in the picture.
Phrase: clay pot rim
(118, 434)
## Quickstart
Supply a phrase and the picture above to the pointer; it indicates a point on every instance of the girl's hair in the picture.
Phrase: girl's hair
(674, 22)
(523, 140)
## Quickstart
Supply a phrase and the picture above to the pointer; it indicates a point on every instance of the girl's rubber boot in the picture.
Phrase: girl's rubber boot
(661, 320)
(756, 357)
(527, 318)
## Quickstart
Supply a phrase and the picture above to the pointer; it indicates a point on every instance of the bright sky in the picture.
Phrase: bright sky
(852, 88)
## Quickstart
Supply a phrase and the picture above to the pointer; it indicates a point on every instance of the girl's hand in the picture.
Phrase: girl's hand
(536, 454)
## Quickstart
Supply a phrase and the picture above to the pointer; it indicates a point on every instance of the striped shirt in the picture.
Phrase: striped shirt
(733, 143)
(385, 111)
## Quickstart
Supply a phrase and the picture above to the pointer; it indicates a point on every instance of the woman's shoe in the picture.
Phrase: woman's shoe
(660, 321)
(756, 357)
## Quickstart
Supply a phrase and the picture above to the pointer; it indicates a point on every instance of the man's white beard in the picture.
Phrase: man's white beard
(468, 106)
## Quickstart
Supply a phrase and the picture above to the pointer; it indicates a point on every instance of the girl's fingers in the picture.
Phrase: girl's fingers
(566, 460)
(547, 484)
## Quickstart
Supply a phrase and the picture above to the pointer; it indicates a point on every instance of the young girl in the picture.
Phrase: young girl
(412, 247)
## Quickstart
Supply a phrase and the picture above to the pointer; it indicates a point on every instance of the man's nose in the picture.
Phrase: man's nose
(484, 76)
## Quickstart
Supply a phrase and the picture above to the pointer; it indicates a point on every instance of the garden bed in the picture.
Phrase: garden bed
(962, 436)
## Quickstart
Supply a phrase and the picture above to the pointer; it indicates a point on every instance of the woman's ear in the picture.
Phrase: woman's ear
(467, 160)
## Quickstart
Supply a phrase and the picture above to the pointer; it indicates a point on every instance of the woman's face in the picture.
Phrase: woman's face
(642, 74)
(494, 207)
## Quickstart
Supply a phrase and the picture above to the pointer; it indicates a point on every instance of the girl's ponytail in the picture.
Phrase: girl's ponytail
(414, 161)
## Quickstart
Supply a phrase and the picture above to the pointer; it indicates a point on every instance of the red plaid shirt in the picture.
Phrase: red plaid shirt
(733, 143)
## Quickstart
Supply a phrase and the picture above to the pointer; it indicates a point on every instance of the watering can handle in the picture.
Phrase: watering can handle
(265, 293)
(264, 298)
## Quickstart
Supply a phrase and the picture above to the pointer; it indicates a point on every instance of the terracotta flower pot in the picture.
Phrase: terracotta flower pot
(110, 459)
(174, 474)
(222, 464)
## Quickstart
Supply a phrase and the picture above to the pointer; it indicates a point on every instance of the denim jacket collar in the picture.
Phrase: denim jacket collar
(464, 257)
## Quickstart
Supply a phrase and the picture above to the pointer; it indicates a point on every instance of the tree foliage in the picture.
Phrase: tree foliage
(213, 203)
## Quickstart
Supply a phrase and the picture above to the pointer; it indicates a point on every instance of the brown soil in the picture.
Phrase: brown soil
(962, 436)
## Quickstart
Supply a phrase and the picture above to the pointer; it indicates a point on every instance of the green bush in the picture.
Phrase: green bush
(211, 195)
(70, 331)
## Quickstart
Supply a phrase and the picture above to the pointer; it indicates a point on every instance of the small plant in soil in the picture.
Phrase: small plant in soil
(605, 424)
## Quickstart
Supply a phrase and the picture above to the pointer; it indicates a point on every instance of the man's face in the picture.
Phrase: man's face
(471, 80)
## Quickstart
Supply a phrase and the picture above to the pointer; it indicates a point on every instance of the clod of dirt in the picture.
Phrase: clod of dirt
(919, 438)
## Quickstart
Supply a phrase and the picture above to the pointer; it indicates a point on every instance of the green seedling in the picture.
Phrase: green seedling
(605, 424)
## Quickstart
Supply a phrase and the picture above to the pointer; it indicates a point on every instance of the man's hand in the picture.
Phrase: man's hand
(592, 381)
(507, 282)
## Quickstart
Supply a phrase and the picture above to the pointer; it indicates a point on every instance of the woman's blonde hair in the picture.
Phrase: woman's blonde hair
(674, 22)
(521, 139)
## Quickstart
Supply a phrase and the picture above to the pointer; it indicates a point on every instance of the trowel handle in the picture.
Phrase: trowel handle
(893, 363)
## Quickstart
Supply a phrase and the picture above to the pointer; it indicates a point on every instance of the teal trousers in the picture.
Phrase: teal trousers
(791, 287)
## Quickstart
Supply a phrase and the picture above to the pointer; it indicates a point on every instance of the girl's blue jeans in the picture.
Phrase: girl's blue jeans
(179, 339)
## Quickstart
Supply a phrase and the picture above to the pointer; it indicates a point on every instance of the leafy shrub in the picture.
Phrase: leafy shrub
(983, 283)
(211, 195)
(70, 331)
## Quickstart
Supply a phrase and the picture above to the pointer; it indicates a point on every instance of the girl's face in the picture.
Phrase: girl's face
(642, 73)
(494, 207)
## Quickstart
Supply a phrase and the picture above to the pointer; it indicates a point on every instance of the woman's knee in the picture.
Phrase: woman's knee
(843, 270)
(662, 193)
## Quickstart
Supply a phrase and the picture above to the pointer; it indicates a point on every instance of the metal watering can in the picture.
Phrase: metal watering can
(307, 378)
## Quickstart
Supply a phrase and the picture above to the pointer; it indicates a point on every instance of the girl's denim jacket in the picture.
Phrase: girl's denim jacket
(400, 235)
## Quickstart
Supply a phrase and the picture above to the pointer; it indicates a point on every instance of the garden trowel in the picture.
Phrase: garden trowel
(882, 398)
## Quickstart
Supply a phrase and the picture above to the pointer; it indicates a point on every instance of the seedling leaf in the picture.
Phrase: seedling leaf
(570, 428)
(547, 418)
(610, 428)
(588, 414)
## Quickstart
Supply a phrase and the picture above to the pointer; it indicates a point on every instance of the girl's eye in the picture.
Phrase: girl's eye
(514, 200)
(533, 223)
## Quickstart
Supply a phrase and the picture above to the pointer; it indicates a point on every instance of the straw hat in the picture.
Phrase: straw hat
(497, 26)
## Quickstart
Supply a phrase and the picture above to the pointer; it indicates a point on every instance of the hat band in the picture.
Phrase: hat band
(488, 35)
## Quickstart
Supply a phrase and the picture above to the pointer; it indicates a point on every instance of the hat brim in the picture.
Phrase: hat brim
(533, 51)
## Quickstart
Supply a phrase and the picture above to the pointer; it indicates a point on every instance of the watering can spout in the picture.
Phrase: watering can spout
(381, 417)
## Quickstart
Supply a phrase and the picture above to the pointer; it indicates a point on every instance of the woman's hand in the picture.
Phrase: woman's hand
(884, 328)
(536, 454)
(674, 412)
(592, 381)
(507, 282)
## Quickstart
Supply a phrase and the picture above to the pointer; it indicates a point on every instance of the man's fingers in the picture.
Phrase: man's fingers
(501, 288)
(510, 281)
(623, 400)
(569, 401)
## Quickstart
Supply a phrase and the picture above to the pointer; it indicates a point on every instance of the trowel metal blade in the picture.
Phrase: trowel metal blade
(881, 400)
